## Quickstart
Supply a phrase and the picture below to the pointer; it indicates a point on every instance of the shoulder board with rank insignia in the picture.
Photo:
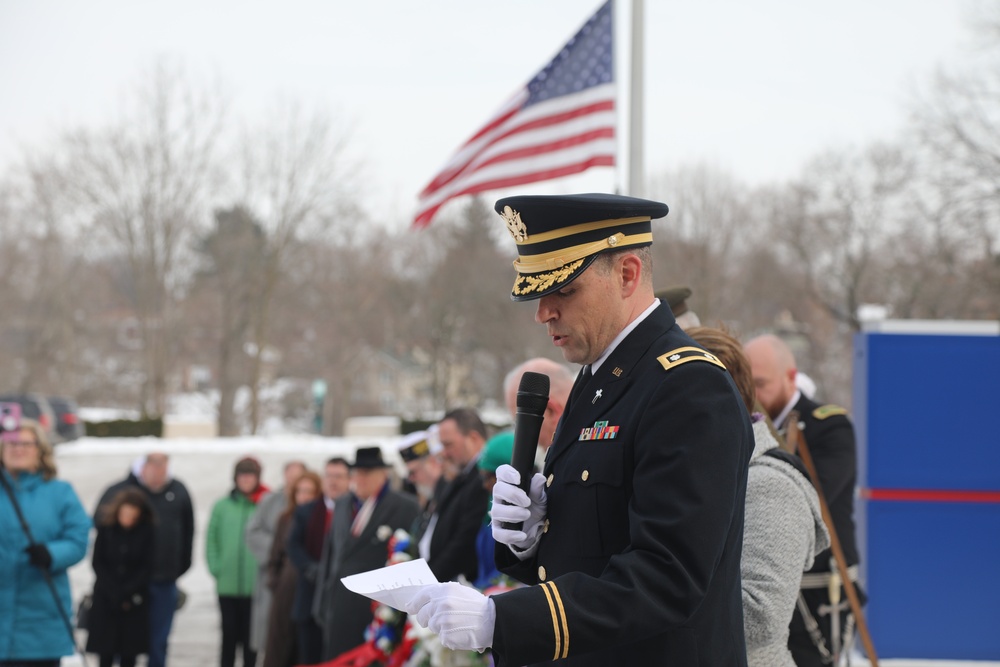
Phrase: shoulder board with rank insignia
(682, 355)
(824, 411)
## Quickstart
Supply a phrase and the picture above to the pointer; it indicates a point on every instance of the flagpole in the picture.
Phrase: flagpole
(636, 175)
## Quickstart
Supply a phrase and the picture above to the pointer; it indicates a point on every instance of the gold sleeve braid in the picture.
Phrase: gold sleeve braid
(559, 625)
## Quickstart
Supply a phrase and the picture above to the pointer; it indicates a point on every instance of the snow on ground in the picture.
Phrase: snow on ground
(205, 467)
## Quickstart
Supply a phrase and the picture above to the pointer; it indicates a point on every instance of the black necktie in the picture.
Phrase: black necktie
(580, 383)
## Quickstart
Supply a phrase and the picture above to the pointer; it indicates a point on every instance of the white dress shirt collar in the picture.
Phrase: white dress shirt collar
(779, 421)
(621, 336)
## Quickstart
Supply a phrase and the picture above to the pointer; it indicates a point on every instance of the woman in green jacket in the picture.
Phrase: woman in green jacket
(231, 563)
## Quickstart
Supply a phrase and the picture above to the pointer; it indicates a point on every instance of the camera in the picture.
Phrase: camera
(10, 421)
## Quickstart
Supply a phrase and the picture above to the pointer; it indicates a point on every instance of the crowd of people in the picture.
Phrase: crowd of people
(277, 556)
(665, 521)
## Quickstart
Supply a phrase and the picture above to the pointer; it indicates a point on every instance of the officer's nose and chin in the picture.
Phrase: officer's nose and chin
(546, 312)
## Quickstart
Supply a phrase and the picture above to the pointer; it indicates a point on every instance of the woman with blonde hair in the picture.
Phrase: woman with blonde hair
(43, 531)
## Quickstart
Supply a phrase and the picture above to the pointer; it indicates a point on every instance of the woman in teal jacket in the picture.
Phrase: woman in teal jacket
(230, 561)
(31, 625)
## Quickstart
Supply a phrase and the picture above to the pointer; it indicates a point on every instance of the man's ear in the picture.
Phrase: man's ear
(629, 274)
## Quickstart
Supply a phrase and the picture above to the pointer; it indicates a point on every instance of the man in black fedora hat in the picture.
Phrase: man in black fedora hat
(362, 523)
(632, 534)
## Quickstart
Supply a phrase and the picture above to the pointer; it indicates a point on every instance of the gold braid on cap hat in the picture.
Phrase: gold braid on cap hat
(542, 281)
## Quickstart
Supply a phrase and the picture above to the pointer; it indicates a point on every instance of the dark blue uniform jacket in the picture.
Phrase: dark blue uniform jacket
(640, 561)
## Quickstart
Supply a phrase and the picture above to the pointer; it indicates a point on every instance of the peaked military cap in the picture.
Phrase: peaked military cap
(415, 446)
(559, 236)
(676, 298)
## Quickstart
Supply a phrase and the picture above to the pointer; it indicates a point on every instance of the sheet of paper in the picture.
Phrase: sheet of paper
(393, 585)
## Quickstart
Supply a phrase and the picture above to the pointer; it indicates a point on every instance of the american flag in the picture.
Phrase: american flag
(561, 123)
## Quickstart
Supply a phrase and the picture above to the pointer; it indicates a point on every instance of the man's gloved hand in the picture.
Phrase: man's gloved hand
(511, 505)
(39, 556)
(461, 616)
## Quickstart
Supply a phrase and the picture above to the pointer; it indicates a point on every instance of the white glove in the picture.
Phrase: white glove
(511, 505)
(461, 616)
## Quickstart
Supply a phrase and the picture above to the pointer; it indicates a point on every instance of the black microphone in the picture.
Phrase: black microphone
(532, 399)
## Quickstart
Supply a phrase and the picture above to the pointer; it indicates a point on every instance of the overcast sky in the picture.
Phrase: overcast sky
(752, 87)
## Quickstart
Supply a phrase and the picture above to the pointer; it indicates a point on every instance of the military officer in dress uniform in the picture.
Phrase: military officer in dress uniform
(632, 533)
(830, 436)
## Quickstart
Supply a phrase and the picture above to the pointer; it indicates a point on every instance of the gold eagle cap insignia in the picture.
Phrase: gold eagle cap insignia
(514, 224)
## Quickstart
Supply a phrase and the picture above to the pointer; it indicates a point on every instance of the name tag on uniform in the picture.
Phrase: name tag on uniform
(599, 431)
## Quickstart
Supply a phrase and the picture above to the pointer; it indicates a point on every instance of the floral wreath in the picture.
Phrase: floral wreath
(392, 640)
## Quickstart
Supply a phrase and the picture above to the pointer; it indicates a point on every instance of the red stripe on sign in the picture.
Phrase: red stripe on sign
(923, 496)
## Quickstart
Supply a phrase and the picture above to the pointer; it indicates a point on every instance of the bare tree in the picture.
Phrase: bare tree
(42, 293)
(143, 183)
(347, 299)
(16, 281)
(833, 222)
(232, 251)
(466, 321)
(699, 243)
(296, 179)
(957, 122)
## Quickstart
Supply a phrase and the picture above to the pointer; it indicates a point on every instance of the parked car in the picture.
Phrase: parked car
(67, 415)
(37, 407)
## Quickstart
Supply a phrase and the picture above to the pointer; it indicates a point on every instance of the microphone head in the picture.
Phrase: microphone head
(533, 393)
